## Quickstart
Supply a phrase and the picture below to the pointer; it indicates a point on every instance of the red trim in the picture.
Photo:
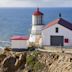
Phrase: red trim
(51, 24)
(66, 40)
(19, 38)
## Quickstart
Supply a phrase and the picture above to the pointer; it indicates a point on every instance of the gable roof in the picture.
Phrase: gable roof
(60, 21)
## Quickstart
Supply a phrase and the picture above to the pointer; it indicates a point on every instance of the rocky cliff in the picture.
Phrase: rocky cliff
(35, 61)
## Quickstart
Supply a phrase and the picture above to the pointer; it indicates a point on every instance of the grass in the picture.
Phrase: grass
(33, 63)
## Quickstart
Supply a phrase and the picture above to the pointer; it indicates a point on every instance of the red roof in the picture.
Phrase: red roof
(19, 38)
(37, 12)
(51, 24)
(61, 22)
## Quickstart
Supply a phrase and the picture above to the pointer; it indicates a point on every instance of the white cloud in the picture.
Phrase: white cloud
(35, 3)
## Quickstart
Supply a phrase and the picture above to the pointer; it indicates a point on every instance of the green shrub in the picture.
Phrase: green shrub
(31, 48)
(35, 53)
(33, 63)
(38, 66)
(30, 61)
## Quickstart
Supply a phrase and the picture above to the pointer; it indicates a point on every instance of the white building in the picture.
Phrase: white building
(19, 42)
(37, 25)
(57, 33)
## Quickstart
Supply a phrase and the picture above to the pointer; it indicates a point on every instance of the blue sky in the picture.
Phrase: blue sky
(35, 3)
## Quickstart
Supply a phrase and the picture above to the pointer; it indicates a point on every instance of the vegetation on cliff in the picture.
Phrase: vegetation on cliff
(35, 61)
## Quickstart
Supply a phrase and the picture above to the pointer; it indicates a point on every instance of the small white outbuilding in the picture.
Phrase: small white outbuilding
(19, 42)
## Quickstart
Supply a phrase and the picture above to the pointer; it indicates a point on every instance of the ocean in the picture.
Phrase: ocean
(18, 21)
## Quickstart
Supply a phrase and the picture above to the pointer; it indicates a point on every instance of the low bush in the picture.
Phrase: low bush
(33, 63)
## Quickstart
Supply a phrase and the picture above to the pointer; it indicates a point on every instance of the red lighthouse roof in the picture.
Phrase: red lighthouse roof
(37, 12)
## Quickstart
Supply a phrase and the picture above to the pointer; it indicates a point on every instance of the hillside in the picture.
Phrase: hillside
(35, 61)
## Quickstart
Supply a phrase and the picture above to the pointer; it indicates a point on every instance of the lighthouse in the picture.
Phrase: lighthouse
(37, 25)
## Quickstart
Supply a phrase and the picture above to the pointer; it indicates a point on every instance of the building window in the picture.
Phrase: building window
(57, 29)
(66, 40)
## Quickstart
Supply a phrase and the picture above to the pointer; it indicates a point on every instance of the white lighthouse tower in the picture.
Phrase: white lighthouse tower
(37, 24)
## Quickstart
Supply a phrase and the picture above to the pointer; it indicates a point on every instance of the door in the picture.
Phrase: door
(57, 40)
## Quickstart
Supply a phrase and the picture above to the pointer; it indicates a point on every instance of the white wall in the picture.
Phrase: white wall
(19, 44)
(32, 38)
(36, 28)
(46, 33)
(37, 19)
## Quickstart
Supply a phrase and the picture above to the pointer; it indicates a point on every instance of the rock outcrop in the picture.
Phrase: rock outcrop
(8, 64)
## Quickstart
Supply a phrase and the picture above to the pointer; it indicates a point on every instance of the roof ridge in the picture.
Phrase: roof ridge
(60, 21)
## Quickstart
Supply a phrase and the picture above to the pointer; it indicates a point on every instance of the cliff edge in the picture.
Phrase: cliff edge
(35, 61)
